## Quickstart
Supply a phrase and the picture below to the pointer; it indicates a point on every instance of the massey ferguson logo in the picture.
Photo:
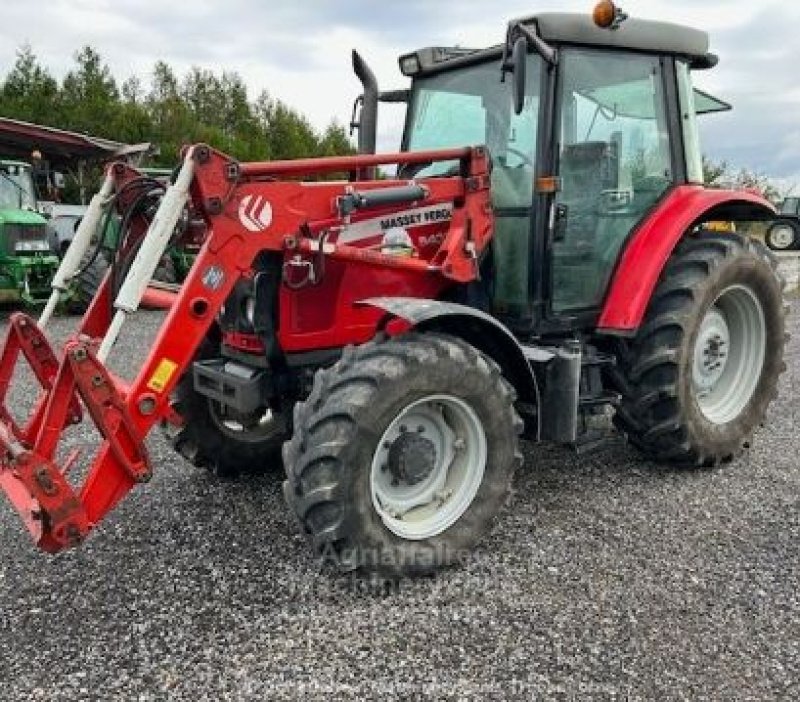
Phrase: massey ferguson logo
(255, 213)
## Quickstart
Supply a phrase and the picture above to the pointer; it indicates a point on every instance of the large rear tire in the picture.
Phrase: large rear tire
(697, 380)
(225, 445)
(402, 455)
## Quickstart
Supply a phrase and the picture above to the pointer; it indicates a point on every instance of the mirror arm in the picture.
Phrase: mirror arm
(547, 52)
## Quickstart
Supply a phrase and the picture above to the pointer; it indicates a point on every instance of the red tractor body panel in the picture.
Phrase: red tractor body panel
(651, 245)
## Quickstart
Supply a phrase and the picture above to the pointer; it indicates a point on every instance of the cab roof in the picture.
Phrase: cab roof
(633, 33)
(579, 29)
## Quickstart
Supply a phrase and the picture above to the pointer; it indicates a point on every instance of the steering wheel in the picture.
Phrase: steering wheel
(526, 160)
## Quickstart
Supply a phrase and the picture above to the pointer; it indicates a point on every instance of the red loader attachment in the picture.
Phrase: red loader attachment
(247, 209)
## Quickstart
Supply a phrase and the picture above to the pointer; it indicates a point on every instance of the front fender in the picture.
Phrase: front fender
(650, 247)
(479, 329)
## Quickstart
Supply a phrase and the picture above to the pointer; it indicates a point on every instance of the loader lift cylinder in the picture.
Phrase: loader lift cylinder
(71, 262)
(152, 250)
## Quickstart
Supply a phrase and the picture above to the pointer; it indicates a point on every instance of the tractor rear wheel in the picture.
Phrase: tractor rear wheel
(402, 455)
(224, 444)
(697, 380)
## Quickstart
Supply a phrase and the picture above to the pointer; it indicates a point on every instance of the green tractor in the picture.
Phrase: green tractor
(27, 264)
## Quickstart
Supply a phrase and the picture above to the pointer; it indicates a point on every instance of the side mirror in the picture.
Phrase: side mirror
(516, 65)
(59, 181)
(519, 65)
(519, 39)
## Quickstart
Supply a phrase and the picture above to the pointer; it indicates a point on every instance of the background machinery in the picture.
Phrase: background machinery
(784, 233)
(536, 259)
(27, 264)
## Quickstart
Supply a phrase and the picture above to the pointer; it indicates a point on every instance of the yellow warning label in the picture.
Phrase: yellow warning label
(162, 375)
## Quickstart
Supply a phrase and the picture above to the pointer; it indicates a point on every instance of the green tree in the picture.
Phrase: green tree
(167, 110)
(29, 92)
(720, 173)
(89, 96)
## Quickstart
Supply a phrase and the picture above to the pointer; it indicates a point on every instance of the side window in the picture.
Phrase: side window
(691, 132)
(615, 163)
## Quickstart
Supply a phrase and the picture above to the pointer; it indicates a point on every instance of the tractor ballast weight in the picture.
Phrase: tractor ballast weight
(395, 337)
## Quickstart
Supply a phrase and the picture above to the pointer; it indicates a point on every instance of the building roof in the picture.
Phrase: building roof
(59, 147)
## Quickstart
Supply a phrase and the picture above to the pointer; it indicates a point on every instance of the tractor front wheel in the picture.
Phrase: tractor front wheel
(697, 380)
(225, 444)
(402, 455)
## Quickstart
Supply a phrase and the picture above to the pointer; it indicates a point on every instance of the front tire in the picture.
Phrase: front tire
(226, 446)
(697, 380)
(402, 455)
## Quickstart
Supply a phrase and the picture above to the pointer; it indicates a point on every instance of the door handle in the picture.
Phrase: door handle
(560, 219)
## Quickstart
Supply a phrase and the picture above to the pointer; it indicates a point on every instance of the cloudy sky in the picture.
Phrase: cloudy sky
(299, 51)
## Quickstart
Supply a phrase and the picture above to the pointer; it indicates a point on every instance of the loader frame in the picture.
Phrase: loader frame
(247, 211)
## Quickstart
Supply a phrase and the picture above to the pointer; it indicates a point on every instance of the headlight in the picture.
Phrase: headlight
(31, 246)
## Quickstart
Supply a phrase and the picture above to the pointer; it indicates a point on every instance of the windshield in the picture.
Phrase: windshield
(471, 107)
(16, 187)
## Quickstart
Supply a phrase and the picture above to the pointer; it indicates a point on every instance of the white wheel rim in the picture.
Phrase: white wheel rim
(265, 426)
(781, 236)
(432, 494)
(729, 354)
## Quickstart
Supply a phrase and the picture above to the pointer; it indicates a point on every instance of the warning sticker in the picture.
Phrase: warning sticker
(162, 375)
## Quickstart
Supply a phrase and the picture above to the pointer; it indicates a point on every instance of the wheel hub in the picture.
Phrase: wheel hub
(428, 467)
(412, 458)
(782, 236)
(729, 354)
(711, 351)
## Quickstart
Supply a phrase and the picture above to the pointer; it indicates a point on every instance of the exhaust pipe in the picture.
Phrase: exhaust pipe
(368, 120)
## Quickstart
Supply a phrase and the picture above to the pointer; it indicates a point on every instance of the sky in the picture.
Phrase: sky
(300, 52)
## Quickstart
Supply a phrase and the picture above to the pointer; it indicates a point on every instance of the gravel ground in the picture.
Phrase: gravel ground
(606, 577)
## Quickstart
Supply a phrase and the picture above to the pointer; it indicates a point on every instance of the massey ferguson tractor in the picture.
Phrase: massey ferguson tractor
(536, 259)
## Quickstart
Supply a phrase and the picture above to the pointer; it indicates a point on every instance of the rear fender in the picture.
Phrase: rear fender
(648, 251)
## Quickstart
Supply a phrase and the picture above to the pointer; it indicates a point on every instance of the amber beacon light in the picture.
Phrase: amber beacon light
(607, 15)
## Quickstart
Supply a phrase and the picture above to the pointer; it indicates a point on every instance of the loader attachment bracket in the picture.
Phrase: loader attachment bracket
(53, 510)
(25, 337)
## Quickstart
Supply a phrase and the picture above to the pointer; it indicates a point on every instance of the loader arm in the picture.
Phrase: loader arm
(247, 209)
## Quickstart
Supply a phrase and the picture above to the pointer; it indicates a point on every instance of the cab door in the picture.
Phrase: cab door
(614, 162)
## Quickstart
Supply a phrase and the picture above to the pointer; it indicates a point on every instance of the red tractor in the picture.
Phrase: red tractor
(537, 259)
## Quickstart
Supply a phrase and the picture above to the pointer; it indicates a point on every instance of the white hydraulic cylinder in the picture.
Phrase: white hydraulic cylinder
(78, 247)
(152, 250)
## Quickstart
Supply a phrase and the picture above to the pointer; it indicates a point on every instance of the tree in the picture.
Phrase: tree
(168, 110)
(89, 95)
(29, 91)
(721, 174)
(713, 171)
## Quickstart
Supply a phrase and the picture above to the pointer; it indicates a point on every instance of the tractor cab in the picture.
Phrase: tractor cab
(588, 128)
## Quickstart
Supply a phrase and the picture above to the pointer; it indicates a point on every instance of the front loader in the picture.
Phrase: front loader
(537, 259)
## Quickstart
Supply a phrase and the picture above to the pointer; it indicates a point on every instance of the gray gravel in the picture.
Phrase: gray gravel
(606, 577)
